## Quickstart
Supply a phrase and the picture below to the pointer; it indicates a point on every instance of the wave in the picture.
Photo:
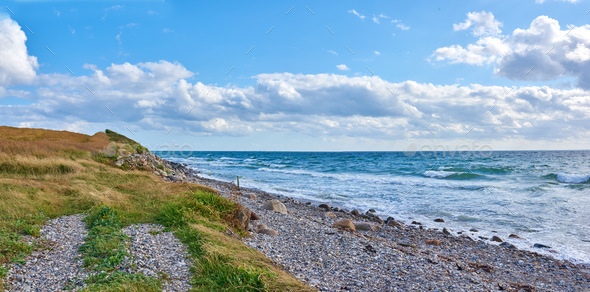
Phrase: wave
(480, 169)
(568, 178)
(451, 175)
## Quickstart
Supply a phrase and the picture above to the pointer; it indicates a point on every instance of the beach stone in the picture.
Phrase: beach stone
(252, 196)
(439, 220)
(473, 230)
(355, 212)
(324, 206)
(514, 236)
(496, 239)
(253, 216)
(329, 215)
(446, 231)
(393, 223)
(276, 206)
(434, 242)
(242, 216)
(268, 232)
(345, 224)
(366, 226)
(538, 245)
(416, 223)
(507, 245)
(372, 210)
(259, 227)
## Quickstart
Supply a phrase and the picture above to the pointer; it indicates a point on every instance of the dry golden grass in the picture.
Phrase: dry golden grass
(44, 143)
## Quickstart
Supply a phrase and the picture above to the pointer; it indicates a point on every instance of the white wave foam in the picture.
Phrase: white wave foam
(572, 178)
(438, 174)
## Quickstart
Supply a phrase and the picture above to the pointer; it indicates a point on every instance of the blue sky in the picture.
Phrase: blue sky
(332, 75)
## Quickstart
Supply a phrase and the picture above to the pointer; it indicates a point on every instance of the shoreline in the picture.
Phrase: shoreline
(330, 258)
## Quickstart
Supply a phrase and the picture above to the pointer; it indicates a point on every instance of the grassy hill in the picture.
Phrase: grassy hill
(46, 174)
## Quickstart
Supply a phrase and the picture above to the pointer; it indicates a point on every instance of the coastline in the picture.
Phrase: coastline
(394, 256)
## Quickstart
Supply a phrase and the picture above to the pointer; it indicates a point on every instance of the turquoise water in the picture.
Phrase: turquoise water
(543, 196)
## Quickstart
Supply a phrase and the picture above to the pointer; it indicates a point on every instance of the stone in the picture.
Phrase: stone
(324, 206)
(473, 230)
(416, 223)
(329, 215)
(355, 212)
(393, 223)
(276, 206)
(538, 245)
(514, 236)
(366, 226)
(259, 227)
(439, 220)
(434, 242)
(446, 231)
(345, 224)
(119, 162)
(253, 216)
(372, 210)
(507, 245)
(242, 216)
(496, 239)
(268, 232)
(252, 196)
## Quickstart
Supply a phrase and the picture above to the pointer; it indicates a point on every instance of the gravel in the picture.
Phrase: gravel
(57, 265)
(159, 254)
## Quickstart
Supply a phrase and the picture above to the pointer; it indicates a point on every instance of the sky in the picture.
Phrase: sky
(302, 76)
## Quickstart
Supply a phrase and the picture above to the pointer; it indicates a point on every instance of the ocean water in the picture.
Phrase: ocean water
(543, 196)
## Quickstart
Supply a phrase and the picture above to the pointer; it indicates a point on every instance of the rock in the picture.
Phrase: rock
(372, 210)
(473, 230)
(439, 220)
(538, 245)
(345, 224)
(253, 216)
(416, 223)
(446, 231)
(366, 226)
(259, 227)
(393, 223)
(276, 206)
(252, 196)
(514, 236)
(507, 245)
(242, 216)
(496, 239)
(329, 215)
(434, 242)
(119, 162)
(268, 232)
(355, 212)
(324, 206)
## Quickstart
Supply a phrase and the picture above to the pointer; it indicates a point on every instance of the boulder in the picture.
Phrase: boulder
(355, 212)
(259, 227)
(514, 236)
(345, 224)
(268, 232)
(393, 223)
(242, 217)
(473, 230)
(329, 215)
(507, 245)
(440, 220)
(446, 231)
(496, 239)
(416, 223)
(252, 196)
(434, 242)
(324, 206)
(538, 245)
(253, 216)
(276, 206)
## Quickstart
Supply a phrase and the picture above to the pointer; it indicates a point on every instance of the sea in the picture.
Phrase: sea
(542, 196)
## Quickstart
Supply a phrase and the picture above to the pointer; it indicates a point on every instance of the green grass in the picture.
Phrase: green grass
(16, 168)
(118, 281)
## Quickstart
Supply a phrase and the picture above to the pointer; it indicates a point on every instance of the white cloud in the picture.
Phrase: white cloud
(332, 52)
(356, 13)
(375, 19)
(481, 23)
(342, 67)
(570, 1)
(550, 51)
(377, 53)
(402, 26)
(16, 65)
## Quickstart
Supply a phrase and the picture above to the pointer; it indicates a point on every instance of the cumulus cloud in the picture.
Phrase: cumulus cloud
(541, 52)
(481, 23)
(570, 1)
(16, 65)
(342, 67)
(157, 96)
